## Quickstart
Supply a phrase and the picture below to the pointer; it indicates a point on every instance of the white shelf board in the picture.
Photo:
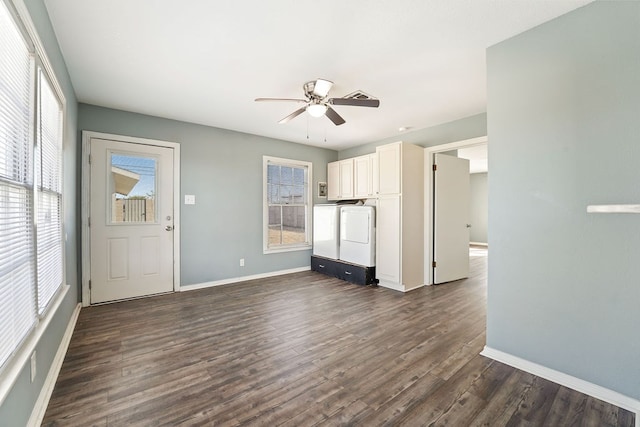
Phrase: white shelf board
(613, 209)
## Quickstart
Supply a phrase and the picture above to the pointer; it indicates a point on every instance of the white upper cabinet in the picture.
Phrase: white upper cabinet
(354, 178)
(390, 166)
(346, 179)
(333, 181)
(364, 168)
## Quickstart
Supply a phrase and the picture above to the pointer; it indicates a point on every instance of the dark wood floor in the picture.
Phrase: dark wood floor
(305, 349)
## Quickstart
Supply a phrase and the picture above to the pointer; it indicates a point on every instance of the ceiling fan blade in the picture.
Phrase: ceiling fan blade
(293, 115)
(355, 102)
(334, 117)
(281, 99)
(322, 87)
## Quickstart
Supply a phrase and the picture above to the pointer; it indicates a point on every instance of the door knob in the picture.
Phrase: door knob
(169, 227)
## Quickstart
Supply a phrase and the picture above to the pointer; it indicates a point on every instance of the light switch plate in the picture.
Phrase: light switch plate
(189, 199)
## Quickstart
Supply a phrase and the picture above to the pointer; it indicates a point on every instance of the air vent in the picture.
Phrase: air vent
(358, 95)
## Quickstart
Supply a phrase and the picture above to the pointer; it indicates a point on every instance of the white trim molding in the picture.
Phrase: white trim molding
(566, 380)
(242, 279)
(40, 408)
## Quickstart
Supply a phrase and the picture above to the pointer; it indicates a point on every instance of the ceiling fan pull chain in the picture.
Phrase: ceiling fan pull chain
(307, 128)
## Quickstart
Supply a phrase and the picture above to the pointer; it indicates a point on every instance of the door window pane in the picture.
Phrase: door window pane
(133, 188)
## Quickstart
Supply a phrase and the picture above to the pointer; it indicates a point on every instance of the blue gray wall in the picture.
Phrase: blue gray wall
(18, 405)
(223, 169)
(457, 130)
(564, 121)
(479, 207)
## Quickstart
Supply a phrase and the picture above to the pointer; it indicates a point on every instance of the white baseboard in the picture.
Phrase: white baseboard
(391, 285)
(397, 286)
(582, 386)
(37, 414)
(241, 279)
(414, 287)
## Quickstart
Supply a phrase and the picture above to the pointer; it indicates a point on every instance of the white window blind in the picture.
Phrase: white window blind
(31, 251)
(17, 266)
(49, 185)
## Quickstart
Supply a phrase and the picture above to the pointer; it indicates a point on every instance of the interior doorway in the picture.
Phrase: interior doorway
(467, 148)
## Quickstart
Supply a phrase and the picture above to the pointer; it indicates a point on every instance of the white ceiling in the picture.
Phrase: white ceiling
(205, 61)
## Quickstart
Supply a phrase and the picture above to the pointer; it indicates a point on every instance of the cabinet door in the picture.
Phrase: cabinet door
(333, 181)
(389, 164)
(362, 177)
(388, 239)
(373, 178)
(346, 179)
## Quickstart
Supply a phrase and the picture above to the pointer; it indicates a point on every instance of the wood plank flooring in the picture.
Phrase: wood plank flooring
(301, 350)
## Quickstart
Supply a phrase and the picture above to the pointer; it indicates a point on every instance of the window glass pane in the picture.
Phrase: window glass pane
(49, 185)
(15, 103)
(275, 235)
(298, 194)
(17, 268)
(49, 247)
(298, 176)
(273, 174)
(286, 174)
(286, 194)
(275, 225)
(272, 194)
(275, 217)
(133, 184)
(293, 224)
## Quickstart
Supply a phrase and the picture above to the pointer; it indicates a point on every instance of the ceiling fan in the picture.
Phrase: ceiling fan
(318, 105)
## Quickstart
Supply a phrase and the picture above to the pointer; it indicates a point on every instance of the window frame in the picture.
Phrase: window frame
(308, 203)
(40, 68)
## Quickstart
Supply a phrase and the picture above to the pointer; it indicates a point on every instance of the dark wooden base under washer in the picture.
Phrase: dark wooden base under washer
(353, 273)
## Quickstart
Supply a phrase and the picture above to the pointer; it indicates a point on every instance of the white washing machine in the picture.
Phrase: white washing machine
(326, 223)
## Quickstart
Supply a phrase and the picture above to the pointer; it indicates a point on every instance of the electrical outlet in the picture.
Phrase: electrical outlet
(241, 262)
(33, 366)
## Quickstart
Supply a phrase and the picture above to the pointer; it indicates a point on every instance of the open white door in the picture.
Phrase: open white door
(451, 212)
(131, 220)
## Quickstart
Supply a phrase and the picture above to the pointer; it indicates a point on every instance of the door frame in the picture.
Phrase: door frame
(428, 185)
(85, 203)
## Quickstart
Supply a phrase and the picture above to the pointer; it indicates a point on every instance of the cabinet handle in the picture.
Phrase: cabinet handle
(320, 265)
(347, 272)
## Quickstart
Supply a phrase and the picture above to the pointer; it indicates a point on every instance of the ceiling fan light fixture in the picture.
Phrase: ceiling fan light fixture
(316, 110)
(321, 87)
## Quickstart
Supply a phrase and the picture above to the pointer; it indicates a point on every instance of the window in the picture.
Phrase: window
(31, 252)
(287, 196)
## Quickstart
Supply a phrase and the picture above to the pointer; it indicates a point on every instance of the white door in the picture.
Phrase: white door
(131, 220)
(451, 212)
